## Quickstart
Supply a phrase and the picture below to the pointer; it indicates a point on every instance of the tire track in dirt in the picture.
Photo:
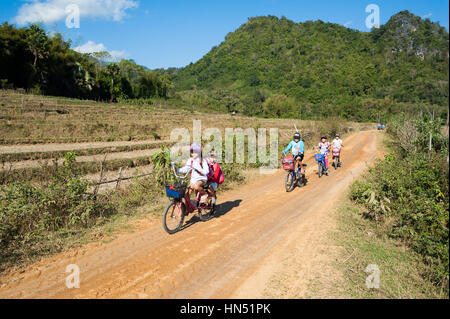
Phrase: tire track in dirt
(205, 260)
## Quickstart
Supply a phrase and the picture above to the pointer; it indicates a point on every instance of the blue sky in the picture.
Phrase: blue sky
(175, 33)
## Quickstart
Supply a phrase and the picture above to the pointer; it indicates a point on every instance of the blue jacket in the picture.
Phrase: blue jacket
(297, 148)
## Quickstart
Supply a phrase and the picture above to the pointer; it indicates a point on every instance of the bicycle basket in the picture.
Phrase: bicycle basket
(336, 151)
(319, 157)
(176, 191)
(288, 163)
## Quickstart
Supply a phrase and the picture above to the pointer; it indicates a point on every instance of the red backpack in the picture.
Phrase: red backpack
(215, 174)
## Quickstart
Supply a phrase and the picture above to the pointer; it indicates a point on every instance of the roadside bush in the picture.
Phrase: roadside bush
(408, 193)
(28, 213)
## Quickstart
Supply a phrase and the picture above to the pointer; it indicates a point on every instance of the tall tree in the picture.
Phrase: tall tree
(38, 43)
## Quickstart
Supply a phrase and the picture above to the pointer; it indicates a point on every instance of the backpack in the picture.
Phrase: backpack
(211, 178)
(220, 178)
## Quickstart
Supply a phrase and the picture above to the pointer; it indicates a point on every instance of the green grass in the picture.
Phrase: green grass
(402, 273)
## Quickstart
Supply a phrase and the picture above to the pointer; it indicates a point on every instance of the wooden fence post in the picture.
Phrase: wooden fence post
(118, 178)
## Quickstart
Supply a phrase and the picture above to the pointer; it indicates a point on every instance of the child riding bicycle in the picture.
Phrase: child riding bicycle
(337, 145)
(200, 169)
(298, 152)
(324, 148)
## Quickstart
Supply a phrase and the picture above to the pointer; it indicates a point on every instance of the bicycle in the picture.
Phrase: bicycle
(292, 178)
(320, 159)
(336, 157)
(181, 205)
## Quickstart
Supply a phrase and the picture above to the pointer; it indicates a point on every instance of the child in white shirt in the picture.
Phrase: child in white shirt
(199, 168)
(338, 143)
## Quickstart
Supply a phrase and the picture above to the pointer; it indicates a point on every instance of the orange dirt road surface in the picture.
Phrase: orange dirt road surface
(213, 259)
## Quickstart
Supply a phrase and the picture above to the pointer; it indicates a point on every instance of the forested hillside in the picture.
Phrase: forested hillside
(269, 67)
(33, 60)
(278, 68)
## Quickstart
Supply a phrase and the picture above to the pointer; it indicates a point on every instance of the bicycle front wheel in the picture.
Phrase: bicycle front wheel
(173, 217)
(289, 182)
(320, 171)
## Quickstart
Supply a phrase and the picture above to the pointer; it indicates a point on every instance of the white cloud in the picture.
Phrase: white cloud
(91, 47)
(118, 55)
(51, 11)
(348, 23)
(427, 15)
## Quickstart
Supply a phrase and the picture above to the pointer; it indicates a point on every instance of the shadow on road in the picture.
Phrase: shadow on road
(226, 207)
(221, 210)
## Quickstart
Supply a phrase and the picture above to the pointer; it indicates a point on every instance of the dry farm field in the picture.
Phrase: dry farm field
(36, 131)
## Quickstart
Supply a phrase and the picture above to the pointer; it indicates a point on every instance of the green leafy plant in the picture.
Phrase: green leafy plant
(161, 166)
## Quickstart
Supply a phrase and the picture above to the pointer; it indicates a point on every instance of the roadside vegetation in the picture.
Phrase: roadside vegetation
(406, 198)
(403, 272)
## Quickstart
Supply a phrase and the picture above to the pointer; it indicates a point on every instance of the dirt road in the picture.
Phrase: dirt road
(221, 258)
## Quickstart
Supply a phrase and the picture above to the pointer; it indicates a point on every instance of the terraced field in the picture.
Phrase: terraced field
(36, 132)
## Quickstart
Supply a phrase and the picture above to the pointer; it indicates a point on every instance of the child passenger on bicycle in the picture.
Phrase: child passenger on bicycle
(214, 171)
(199, 167)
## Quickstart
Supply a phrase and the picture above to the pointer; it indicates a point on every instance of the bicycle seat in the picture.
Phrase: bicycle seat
(304, 165)
(206, 186)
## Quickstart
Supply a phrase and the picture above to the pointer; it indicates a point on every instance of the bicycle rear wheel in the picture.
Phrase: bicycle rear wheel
(205, 213)
(173, 217)
(302, 180)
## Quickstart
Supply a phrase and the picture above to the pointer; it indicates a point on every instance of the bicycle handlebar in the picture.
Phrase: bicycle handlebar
(175, 172)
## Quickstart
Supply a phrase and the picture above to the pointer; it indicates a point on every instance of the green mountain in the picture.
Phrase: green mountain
(276, 67)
